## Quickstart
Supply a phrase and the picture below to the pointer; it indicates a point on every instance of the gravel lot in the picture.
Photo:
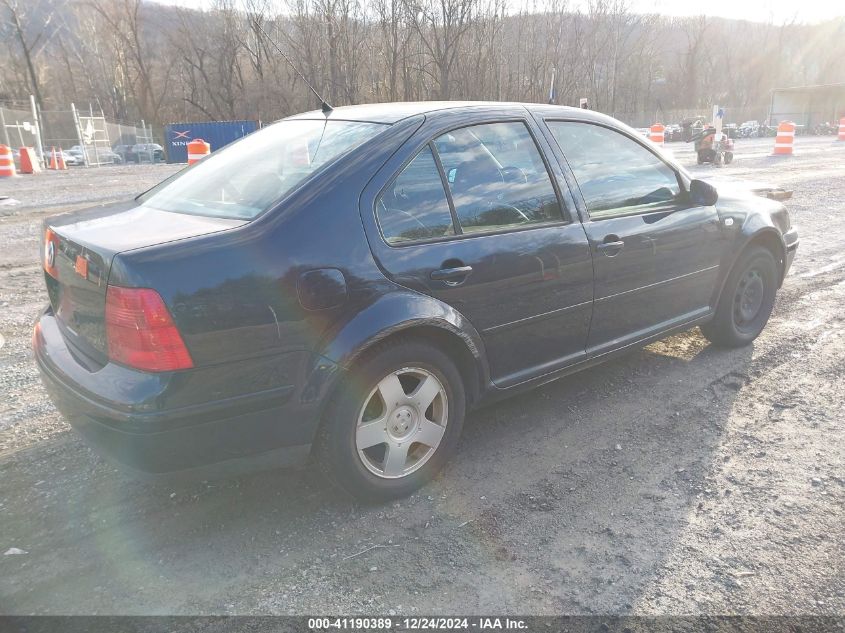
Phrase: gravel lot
(677, 480)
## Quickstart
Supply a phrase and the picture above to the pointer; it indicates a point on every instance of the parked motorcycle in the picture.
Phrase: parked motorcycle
(825, 129)
(748, 129)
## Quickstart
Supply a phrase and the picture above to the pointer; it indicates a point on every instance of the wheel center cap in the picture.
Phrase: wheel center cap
(402, 422)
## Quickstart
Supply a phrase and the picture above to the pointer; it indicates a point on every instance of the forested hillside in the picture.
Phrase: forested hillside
(142, 60)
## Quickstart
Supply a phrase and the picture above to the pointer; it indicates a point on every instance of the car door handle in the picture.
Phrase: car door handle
(451, 275)
(610, 248)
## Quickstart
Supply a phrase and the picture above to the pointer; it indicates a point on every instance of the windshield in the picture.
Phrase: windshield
(248, 177)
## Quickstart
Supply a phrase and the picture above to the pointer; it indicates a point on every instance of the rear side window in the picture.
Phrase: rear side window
(497, 177)
(616, 175)
(249, 176)
(414, 207)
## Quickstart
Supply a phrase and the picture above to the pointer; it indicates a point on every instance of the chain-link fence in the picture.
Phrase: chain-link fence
(84, 134)
(17, 126)
(737, 115)
(58, 130)
(101, 141)
(96, 140)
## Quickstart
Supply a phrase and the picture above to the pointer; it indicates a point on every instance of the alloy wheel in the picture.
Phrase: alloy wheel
(401, 423)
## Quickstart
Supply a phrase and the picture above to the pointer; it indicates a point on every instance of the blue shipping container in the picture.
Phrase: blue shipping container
(216, 133)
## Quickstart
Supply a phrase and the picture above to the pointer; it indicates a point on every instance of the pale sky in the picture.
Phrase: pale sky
(778, 11)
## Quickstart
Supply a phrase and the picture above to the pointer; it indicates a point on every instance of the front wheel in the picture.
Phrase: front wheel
(746, 301)
(394, 423)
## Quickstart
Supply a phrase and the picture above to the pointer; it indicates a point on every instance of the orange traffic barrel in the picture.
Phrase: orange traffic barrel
(29, 161)
(197, 150)
(784, 139)
(7, 162)
(656, 133)
(842, 129)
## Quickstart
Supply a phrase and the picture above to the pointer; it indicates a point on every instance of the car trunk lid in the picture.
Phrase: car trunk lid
(78, 262)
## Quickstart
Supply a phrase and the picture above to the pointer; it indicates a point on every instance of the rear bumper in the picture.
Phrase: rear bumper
(129, 416)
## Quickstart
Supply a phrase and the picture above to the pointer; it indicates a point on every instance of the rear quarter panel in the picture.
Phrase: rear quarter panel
(234, 294)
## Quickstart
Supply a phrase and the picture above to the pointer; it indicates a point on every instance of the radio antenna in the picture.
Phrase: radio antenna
(324, 105)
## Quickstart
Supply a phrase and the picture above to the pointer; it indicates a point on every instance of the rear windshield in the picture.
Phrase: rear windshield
(248, 177)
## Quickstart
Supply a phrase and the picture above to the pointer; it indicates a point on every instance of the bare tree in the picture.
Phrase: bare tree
(441, 26)
(31, 24)
(160, 63)
(145, 69)
(391, 21)
(693, 58)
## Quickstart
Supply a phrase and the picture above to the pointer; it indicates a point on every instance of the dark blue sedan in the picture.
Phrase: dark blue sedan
(347, 285)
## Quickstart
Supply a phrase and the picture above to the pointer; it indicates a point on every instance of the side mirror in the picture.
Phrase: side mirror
(703, 194)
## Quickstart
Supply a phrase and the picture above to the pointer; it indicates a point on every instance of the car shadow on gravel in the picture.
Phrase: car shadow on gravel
(578, 488)
(616, 461)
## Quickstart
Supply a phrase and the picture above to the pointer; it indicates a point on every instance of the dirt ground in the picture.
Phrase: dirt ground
(678, 479)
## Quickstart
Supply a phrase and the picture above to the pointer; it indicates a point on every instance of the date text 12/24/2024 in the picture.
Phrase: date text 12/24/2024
(420, 623)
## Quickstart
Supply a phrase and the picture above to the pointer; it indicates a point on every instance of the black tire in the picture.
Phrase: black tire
(335, 451)
(706, 156)
(746, 301)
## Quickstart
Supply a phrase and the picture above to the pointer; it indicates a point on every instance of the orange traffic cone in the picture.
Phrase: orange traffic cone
(784, 139)
(842, 129)
(57, 159)
(7, 162)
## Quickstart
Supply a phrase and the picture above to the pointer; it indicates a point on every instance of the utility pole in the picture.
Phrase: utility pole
(5, 129)
(94, 132)
(38, 146)
(79, 134)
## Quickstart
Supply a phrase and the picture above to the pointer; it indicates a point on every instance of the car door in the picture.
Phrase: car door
(656, 254)
(472, 215)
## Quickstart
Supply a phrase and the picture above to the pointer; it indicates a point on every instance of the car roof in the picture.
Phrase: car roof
(392, 112)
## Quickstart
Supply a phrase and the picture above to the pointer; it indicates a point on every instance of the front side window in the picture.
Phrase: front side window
(246, 178)
(497, 177)
(414, 206)
(616, 175)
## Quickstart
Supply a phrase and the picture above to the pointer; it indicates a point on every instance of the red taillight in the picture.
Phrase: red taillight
(141, 333)
(51, 253)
